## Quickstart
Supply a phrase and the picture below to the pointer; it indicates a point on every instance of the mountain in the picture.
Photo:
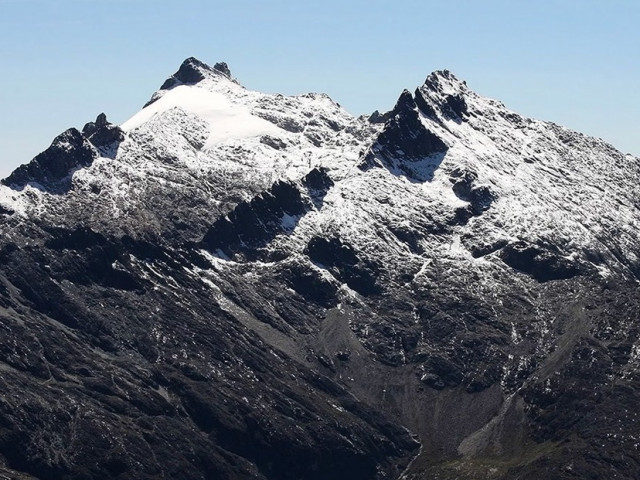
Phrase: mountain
(242, 285)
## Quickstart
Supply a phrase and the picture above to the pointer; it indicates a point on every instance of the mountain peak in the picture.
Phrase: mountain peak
(445, 82)
(193, 71)
(450, 290)
(68, 151)
(445, 93)
(223, 68)
(103, 134)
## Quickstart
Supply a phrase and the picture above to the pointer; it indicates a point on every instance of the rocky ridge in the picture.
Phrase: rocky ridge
(240, 285)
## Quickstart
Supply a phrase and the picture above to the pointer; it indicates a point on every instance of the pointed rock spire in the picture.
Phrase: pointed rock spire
(404, 132)
(404, 104)
(101, 120)
(443, 92)
(102, 133)
(223, 68)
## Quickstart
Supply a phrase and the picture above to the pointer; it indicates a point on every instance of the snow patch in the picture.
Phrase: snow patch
(227, 121)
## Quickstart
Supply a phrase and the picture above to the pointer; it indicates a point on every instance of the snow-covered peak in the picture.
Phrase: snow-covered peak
(473, 251)
(445, 82)
(282, 136)
(482, 170)
(233, 113)
(442, 95)
(192, 72)
(225, 119)
(201, 146)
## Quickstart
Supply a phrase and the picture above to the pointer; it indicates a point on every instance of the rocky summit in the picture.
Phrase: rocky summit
(238, 285)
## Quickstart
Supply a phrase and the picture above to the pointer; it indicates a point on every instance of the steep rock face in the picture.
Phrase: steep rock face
(103, 135)
(442, 94)
(230, 296)
(406, 143)
(404, 132)
(253, 225)
(193, 70)
(344, 263)
(69, 151)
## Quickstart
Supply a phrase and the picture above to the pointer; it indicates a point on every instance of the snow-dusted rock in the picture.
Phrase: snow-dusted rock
(288, 284)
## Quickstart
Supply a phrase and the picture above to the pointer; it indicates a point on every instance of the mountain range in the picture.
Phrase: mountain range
(238, 285)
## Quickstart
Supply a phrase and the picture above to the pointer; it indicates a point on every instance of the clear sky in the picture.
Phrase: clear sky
(574, 62)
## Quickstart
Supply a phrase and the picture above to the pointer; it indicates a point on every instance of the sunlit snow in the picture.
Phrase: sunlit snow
(226, 120)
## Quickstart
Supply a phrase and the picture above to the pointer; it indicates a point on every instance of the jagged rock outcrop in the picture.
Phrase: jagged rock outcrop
(193, 70)
(404, 140)
(252, 225)
(51, 169)
(103, 135)
(436, 97)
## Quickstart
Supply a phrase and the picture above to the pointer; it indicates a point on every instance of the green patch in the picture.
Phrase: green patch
(490, 467)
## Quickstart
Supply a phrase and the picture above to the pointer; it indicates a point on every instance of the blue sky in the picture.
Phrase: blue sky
(574, 62)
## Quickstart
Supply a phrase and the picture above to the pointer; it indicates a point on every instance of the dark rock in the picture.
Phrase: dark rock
(408, 235)
(252, 225)
(119, 361)
(478, 384)
(273, 142)
(223, 68)
(404, 105)
(404, 132)
(318, 183)
(377, 117)
(189, 72)
(360, 275)
(343, 355)
(462, 215)
(331, 252)
(51, 169)
(433, 381)
(463, 180)
(479, 197)
(103, 134)
(315, 137)
(193, 71)
(433, 96)
(483, 249)
(312, 286)
(6, 211)
(424, 106)
(540, 263)
(326, 362)
(457, 106)
(286, 123)
(105, 263)
(620, 352)
(445, 370)
(101, 120)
